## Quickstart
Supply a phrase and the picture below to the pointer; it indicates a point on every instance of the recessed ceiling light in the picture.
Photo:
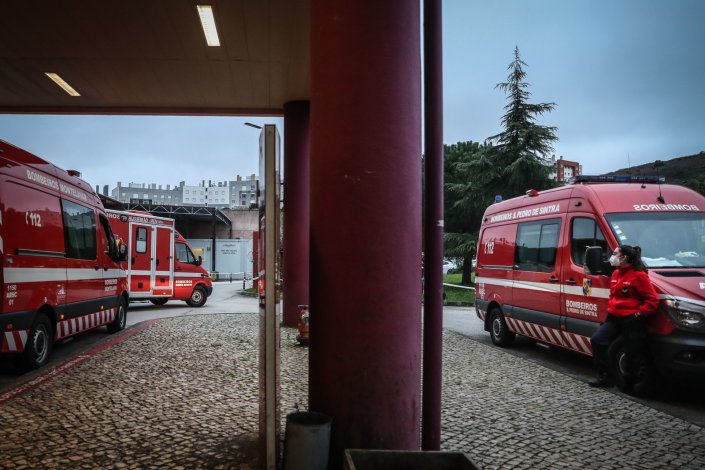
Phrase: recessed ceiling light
(62, 83)
(205, 13)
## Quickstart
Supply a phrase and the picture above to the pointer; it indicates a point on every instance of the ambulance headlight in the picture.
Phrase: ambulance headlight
(685, 315)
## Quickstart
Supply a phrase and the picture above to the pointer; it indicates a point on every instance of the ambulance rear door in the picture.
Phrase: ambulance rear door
(164, 260)
(142, 260)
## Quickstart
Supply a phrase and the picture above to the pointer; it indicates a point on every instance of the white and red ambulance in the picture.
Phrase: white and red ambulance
(532, 280)
(60, 261)
(160, 264)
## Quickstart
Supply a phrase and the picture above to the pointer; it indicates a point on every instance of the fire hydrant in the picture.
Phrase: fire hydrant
(302, 337)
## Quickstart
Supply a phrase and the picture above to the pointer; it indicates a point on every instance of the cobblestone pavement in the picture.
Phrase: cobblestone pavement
(183, 394)
(510, 413)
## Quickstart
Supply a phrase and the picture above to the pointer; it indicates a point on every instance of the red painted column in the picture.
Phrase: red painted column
(365, 294)
(297, 169)
(433, 227)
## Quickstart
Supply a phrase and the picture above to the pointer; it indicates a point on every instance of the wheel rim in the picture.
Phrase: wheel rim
(497, 327)
(121, 316)
(40, 344)
(197, 296)
(622, 366)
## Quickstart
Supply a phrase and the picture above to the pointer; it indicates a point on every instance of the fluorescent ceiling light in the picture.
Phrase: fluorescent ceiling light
(205, 13)
(60, 81)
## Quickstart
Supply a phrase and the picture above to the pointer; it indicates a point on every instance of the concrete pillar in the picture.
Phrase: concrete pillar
(365, 298)
(297, 169)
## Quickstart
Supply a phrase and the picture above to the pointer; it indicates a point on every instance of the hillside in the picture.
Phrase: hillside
(687, 171)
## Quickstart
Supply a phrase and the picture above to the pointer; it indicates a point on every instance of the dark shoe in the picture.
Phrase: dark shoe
(601, 382)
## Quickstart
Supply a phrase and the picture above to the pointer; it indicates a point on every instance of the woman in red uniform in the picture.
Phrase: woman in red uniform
(632, 297)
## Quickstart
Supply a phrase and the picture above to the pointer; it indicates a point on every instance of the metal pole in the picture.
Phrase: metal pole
(213, 241)
(433, 229)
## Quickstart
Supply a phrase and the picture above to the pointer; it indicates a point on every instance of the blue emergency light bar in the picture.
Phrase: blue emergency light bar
(616, 179)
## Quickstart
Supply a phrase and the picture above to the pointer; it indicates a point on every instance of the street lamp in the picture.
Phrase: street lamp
(253, 125)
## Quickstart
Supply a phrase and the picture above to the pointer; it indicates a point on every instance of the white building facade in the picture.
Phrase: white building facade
(242, 192)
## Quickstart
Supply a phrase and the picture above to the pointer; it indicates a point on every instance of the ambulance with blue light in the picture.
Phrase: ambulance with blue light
(542, 270)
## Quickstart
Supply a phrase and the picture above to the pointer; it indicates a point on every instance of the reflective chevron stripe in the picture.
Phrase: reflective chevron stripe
(70, 327)
(564, 339)
(14, 341)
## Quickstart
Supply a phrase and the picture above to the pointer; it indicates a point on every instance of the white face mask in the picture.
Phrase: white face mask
(614, 260)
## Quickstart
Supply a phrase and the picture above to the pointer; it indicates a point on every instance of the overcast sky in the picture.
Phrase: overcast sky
(627, 76)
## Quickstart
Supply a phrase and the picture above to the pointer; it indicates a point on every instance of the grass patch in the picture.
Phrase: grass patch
(457, 295)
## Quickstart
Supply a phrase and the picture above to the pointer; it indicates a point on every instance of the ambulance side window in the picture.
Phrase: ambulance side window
(109, 237)
(183, 254)
(537, 245)
(585, 232)
(79, 231)
(141, 244)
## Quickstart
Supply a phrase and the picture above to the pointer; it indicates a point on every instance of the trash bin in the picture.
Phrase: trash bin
(363, 459)
(306, 441)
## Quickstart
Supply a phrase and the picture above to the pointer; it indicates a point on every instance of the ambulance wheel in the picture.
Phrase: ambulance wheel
(644, 383)
(500, 334)
(160, 301)
(39, 343)
(120, 318)
(198, 297)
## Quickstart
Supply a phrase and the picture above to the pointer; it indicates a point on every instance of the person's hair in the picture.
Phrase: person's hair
(633, 254)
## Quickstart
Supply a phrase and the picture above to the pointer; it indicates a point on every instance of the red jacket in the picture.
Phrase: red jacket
(631, 292)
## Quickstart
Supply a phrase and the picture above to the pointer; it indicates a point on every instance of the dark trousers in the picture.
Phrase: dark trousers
(632, 329)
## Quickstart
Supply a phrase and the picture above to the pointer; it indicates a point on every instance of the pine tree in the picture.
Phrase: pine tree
(521, 150)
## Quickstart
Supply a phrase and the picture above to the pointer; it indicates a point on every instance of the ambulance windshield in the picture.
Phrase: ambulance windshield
(667, 239)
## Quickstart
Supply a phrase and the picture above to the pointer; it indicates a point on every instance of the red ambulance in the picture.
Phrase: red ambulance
(60, 260)
(160, 264)
(542, 269)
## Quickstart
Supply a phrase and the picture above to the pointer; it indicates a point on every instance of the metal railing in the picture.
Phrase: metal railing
(459, 286)
(223, 276)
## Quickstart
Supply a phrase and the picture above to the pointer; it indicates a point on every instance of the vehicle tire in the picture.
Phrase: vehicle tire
(159, 301)
(647, 378)
(499, 332)
(198, 297)
(39, 343)
(120, 318)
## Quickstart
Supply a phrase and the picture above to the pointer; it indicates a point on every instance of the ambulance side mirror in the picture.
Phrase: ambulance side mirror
(122, 252)
(594, 263)
(199, 261)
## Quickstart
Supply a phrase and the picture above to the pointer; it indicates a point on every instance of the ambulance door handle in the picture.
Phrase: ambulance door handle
(553, 279)
(571, 282)
(96, 266)
(105, 267)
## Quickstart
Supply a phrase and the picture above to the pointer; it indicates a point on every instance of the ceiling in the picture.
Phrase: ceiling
(151, 57)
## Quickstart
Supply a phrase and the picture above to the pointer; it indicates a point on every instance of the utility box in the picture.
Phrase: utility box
(363, 459)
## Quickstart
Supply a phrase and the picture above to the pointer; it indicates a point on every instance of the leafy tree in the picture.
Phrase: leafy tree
(521, 150)
(465, 173)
